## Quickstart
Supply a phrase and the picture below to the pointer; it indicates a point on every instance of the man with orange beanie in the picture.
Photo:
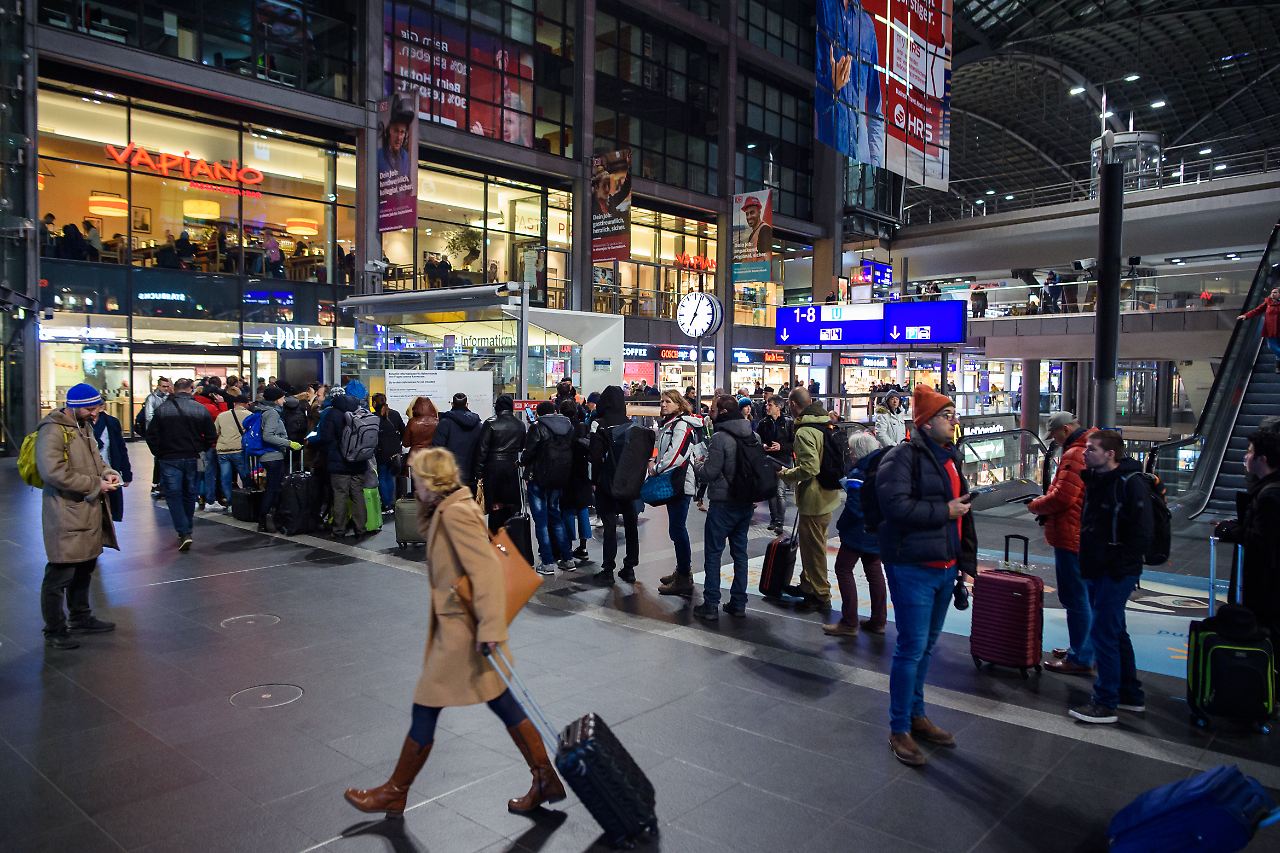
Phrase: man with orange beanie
(926, 535)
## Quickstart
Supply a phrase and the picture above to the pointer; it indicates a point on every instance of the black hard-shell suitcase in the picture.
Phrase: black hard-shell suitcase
(779, 564)
(520, 528)
(596, 766)
(1229, 674)
(246, 505)
(298, 507)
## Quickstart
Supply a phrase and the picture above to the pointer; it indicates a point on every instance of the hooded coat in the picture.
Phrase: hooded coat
(913, 490)
(459, 433)
(423, 421)
(330, 437)
(891, 427)
(1271, 322)
(721, 464)
(811, 498)
(1115, 522)
(75, 518)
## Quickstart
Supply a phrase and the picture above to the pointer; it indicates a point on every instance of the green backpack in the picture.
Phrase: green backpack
(28, 470)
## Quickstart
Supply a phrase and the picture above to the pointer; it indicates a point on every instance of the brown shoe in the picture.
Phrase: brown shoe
(678, 585)
(547, 787)
(840, 629)
(1066, 667)
(904, 748)
(872, 627)
(391, 796)
(923, 728)
(1061, 653)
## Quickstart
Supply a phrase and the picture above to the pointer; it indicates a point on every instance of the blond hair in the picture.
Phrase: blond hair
(436, 469)
(682, 405)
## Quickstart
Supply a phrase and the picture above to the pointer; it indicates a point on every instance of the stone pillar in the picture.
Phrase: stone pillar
(727, 166)
(1030, 416)
(584, 117)
(368, 240)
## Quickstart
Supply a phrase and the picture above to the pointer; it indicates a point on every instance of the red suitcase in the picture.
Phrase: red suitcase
(779, 564)
(1008, 616)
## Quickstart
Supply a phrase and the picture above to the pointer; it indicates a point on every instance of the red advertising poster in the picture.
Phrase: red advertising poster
(485, 86)
(398, 162)
(883, 84)
(611, 206)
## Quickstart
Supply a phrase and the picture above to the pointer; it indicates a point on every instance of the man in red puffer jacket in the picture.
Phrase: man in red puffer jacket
(1271, 322)
(1059, 511)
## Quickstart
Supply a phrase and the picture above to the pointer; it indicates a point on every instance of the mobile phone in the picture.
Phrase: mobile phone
(1023, 499)
(775, 462)
(967, 498)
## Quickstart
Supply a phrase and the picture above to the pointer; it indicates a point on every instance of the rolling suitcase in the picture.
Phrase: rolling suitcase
(1230, 660)
(1008, 616)
(246, 505)
(779, 564)
(520, 528)
(596, 765)
(298, 506)
(406, 519)
(1217, 810)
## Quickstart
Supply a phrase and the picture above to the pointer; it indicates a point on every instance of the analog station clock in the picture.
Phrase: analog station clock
(699, 314)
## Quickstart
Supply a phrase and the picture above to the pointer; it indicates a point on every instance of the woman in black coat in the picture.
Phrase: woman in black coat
(112, 447)
(497, 462)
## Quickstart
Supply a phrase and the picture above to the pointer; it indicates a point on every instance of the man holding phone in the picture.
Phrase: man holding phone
(74, 515)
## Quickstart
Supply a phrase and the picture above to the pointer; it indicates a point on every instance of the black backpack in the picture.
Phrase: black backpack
(831, 467)
(1157, 552)
(140, 421)
(871, 514)
(754, 476)
(553, 468)
(390, 437)
(296, 425)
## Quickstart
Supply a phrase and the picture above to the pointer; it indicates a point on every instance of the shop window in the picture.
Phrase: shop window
(102, 364)
(285, 237)
(205, 139)
(71, 288)
(80, 198)
(78, 126)
(288, 168)
(346, 176)
(450, 197)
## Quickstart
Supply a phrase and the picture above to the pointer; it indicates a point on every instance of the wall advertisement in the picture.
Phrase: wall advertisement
(883, 91)
(398, 162)
(402, 387)
(752, 235)
(611, 206)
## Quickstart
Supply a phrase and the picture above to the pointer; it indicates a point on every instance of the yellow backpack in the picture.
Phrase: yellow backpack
(27, 468)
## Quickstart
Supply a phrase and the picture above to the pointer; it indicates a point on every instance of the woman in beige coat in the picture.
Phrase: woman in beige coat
(454, 670)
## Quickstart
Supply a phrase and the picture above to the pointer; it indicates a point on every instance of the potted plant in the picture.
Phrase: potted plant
(466, 242)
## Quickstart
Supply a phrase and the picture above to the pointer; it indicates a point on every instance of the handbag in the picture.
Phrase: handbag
(518, 578)
(480, 496)
(660, 489)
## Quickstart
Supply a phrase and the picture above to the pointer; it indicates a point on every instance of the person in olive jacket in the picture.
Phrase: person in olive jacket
(497, 462)
(74, 516)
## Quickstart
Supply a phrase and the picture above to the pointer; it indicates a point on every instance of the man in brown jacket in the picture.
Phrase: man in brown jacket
(74, 515)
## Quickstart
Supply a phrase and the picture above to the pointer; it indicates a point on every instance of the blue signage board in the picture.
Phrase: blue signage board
(872, 323)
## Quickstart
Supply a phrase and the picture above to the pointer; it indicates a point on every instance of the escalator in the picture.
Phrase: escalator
(1204, 471)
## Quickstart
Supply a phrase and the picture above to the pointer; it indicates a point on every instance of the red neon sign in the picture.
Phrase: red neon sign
(174, 165)
(695, 262)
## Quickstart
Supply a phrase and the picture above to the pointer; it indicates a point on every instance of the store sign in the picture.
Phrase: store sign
(874, 273)
(773, 356)
(162, 296)
(695, 262)
(637, 351)
(184, 166)
(291, 337)
(86, 333)
(685, 354)
(873, 323)
(987, 425)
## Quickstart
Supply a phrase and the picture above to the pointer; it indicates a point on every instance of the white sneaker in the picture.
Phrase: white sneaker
(546, 569)
(1133, 709)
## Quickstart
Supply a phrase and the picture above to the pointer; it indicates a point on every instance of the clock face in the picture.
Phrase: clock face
(698, 314)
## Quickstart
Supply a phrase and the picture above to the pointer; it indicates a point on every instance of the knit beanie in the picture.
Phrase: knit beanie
(83, 396)
(926, 402)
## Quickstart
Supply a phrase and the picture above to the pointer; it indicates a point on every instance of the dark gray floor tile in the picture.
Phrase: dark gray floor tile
(749, 819)
(937, 815)
(139, 777)
(299, 771)
(171, 811)
(1111, 768)
(251, 829)
(322, 811)
(485, 802)
(85, 751)
(682, 787)
(81, 837)
(31, 806)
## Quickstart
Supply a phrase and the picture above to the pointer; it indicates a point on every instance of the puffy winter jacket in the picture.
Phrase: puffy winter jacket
(891, 427)
(676, 438)
(722, 456)
(811, 498)
(215, 404)
(913, 490)
(180, 428)
(1270, 323)
(329, 436)
(1061, 504)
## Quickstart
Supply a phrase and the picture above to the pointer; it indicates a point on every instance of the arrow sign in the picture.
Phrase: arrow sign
(894, 334)
(786, 335)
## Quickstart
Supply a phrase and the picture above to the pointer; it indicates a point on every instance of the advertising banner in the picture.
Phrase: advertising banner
(752, 235)
(402, 387)
(485, 87)
(611, 206)
(398, 162)
(883, 90)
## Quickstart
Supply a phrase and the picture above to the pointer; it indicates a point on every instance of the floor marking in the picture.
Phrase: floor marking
(214, 575)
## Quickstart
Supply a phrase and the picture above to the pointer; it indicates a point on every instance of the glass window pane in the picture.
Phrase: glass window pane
(288, 168)
(79, 127)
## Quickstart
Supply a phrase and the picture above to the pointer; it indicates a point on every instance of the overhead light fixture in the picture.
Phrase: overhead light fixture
(751, 146)
(1130, 78)
(1204, 152)
(991, 192)
(980, 201)
(1232, 256)
(1076, 90)
(1155, 105)
(1220, 167)
(1107, 114)
(198, 208)
(1009, 197)
(301, 227)
(108, 205)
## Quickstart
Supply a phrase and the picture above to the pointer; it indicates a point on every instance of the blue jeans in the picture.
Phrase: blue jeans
(726, 522)
(227, 464)
(387, 484)
(1074, 596)
(1117, 672)
(209, 479)
(544, 506)
(1274, 345)
(577, 524)
(180, 482)
(678, 530)
(921, 596)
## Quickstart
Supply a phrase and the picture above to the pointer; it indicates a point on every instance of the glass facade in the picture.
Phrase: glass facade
(656, 94)
(670, 256)
(303, 44)
(496, 68)
(783, 28)
(775, 144)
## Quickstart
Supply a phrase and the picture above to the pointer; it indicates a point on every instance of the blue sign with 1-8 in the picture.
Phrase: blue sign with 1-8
(873, 323)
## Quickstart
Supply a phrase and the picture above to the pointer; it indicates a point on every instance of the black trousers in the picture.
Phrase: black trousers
(609, 508)
(71, 580)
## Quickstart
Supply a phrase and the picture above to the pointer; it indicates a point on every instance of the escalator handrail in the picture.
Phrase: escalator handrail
(1045, 450)
(1156, 449)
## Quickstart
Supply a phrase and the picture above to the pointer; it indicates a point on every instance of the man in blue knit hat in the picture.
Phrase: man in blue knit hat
(74, 515)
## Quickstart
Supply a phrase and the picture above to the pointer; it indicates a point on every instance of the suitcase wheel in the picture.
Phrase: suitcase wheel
(1023, 670)
(1199, 722)
(400, 545)
(977, 662)
(1264, 728)
(1039, 669)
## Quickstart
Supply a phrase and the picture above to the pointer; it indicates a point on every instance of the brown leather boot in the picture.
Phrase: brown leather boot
(547, 787)
(924, 729)
(904, 748)
(391, 796)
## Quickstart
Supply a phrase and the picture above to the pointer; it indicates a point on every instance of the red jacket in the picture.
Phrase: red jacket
(1271, 323)
(1065, 498)
(215, 405)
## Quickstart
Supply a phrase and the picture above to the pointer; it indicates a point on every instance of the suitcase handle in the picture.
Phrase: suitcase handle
(1213, 576)
(1026, 548)
(498, 660)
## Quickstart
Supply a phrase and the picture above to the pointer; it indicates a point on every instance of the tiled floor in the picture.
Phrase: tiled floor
(759, 734)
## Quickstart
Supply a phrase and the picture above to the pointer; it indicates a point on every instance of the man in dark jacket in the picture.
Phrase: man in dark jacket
(459, 433)
(179, 433)
(776, 433)
(1255, 529)
(497, 462)
(346, 478)
(609, 414)
(729, 517)
(926, 535)
(548, 466)
(1115, 530)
